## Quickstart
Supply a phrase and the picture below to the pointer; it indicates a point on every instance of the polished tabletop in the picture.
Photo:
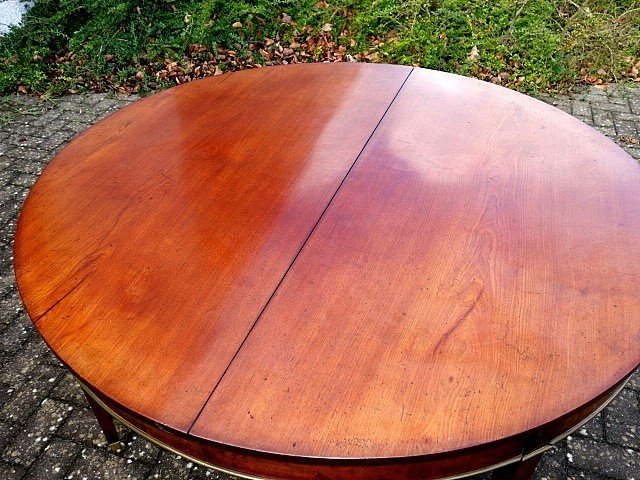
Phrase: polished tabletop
(338, 261)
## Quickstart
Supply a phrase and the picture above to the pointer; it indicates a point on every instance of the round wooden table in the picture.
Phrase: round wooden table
(340, 271)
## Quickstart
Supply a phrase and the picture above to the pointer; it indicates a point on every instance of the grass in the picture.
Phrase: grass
(141, 45)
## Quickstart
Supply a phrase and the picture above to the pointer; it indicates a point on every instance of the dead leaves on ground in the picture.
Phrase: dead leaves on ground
(326, 43)
(629, 140)
(602, 76)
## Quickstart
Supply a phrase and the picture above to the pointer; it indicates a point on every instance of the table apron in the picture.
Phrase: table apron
(519, 458)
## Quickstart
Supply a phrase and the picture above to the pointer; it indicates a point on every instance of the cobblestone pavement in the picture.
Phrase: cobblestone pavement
(46, 428)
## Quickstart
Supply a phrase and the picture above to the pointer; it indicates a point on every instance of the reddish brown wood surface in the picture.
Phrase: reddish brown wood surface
(482, 256)
(475, 277)
(148, 248)
(430, 466)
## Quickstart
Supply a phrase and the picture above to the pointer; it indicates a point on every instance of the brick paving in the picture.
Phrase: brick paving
(46, 428)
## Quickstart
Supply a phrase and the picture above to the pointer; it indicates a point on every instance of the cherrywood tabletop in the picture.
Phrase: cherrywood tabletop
(339, 262)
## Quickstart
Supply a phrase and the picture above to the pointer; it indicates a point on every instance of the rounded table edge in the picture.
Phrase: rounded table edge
(266, 465)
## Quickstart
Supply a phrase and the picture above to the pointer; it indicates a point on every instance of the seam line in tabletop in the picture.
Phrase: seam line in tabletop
(295, 257)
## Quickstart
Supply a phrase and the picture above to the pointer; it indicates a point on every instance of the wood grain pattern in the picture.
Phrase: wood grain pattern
(481, 256)
(149, 246)
(434, 466)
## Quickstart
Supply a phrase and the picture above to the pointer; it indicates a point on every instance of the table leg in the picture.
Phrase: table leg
(106, 424)
(517, 471)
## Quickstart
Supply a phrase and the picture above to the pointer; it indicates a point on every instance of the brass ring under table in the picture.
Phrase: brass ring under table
(519, 458)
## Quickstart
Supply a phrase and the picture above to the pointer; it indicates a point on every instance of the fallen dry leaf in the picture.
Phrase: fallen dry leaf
(473, 54)
(630, 140)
